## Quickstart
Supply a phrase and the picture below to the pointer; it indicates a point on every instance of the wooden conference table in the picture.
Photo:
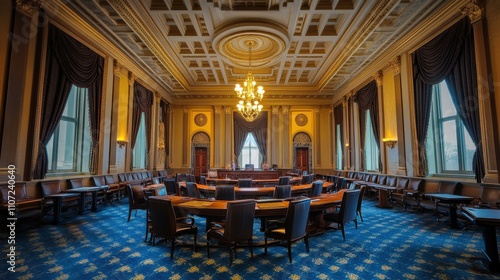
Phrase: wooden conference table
(263, 208)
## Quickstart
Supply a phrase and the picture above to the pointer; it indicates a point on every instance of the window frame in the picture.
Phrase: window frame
(80, 121)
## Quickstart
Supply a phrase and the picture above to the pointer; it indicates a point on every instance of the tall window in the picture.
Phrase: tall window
(339, 146)
(139, 151)
(68, 149)
(449, 146)
(250, 153)
(371, 148)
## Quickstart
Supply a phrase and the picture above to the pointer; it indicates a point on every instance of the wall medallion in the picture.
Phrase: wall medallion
(301, 119)
(200, 119)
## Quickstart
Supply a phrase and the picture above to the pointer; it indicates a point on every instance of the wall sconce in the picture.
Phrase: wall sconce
(390, 143)
(122, 143)
(347, 146)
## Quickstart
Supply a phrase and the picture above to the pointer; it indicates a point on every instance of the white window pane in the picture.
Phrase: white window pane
(470, 149)
(447, 106)
(139, 151)
(66, 146)
(450, 150)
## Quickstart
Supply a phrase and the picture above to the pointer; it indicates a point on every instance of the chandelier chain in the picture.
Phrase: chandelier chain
(250, 95)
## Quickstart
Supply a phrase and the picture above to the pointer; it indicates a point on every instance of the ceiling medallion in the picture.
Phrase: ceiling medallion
(200, 119)
(270, 43)
(301, 120)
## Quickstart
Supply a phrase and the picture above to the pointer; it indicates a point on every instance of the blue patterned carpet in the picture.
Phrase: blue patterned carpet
(389, 244)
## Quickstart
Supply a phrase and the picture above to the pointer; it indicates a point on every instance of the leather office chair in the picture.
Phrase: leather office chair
(164, 223)
(203, 180)
(136, 199)
(110, 181)
(238, 227)
(282, 191)
(225, 193)
(293, 228)
(490, 197)
(413, 193)
(284, 180)
(171, 186)
(192, 190)
(25, 207)
(245, 183)
(316, 189)
(190, 178)
(348, 210)
(362, 191)
(114, 190)
(70, 200)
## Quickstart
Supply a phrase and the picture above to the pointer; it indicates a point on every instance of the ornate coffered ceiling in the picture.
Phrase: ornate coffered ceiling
(304, 49)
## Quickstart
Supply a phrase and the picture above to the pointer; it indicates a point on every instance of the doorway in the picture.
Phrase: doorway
(200, 161)
(302, 159)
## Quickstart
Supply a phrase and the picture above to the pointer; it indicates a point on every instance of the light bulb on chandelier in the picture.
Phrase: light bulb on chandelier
(249, 106)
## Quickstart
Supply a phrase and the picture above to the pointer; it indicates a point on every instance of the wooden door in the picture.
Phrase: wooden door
(302, 159)
(200, 162)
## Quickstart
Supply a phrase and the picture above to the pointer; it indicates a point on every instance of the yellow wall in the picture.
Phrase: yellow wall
(307, 128)
(493, 22)
(389, 105)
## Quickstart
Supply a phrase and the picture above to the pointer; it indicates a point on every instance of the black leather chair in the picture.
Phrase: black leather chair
(245, 183)
(136, 199)
(347, 213)
(170, 185)
(362, 191)
(293, 228)
(225, 193)
(192, 190)
(237, 228)
(284, 180)
(164, 223)
(316, 189)
(282, 191)
(59, 203)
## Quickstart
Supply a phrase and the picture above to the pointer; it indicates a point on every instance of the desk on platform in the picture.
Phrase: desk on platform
(256, 182)
(245, 174)
(258, 192)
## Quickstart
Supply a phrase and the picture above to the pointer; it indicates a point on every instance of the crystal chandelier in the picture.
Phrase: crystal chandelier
(249, 94)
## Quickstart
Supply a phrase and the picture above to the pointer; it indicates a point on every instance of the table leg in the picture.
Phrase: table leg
(453, 215)
(490, 248)
(383, 199)
(57, 210)
(94, 201)
(82, 203)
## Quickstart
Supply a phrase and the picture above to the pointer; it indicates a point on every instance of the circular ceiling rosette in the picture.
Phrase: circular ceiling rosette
(268, 42)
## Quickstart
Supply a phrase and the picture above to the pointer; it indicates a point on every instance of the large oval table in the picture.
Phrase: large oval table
(264, 207)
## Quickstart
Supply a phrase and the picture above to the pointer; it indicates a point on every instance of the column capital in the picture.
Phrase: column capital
(395, 64)
(275, 110)
(218, 109)
(228, 110)
(117, 68)
(285, 109)
(185, 109)
(473, 10)
(28, 7)
(378, 77)
(131, 79)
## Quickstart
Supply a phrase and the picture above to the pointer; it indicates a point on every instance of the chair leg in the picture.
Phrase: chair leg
(172, 246)
(306, 241)
(251, 248)
(195, 236)
(289, 246)
(356, 223)
(208, 248)
(231, 254)
(343, 232)
(265, 245)
(360, 215)
(129, 213)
